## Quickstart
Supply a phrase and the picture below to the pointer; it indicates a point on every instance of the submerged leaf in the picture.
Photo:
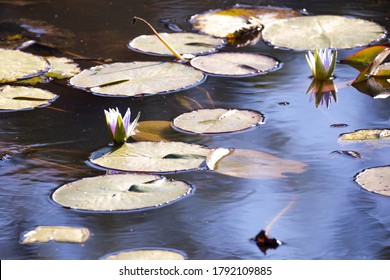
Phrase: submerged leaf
(146, 254)
(218, 120)
(324, 31)
(366, 134)
(120, 192)
(21, 98)
(235, 64)
(376, 179)
(56, 233)
(152, 157)
(20, 65)
(255, 164)
(137, 78)
(184, 43)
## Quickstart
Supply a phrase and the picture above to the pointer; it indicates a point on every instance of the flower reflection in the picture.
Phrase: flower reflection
(322, 92)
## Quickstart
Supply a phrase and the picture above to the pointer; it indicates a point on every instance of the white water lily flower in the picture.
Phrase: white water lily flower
(322, 63)
(120, 129)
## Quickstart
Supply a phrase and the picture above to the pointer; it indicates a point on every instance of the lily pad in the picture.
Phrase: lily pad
(155, 131)
(151, 157)
(376, 179)
(21, 98)
(363, 58)
(235, 64)
(325, 31)
(20, 65)
(147, 254)
(252, 164)
(222, 23)
(43, 234)
(366, 134)
(184, 43)
(62, 67)
(137, 78)
(218, 120)
(120, 192)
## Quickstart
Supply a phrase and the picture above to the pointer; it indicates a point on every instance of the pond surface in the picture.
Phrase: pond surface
(331, 217)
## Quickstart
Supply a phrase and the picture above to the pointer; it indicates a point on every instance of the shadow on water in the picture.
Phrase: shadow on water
(332, 218)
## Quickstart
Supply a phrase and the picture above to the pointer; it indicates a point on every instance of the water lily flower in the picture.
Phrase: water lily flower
(322, 63)
(120, 129)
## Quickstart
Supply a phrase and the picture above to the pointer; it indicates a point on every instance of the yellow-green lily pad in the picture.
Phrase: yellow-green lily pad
(42, 234)
(20, 65)
(121, 192)
(235, 64)
(146, 254)
(219, 120)
(324, 31)
(365, 134)
(251, 164)
(222, 23)
(155, 130)
(22, 98)
(376, 180)
(137, 78)
(183, 43)
(62, 67)
(151, 157)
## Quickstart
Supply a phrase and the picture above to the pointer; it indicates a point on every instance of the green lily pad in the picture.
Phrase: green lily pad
(235, 64)
(183, 43)
(155, 131)
(146, 254)
(222, 23)
(151, 157)
(325, 31)
(376, 179)
(363, 58)
(218, 120)
(137, 78)
(20, 65)
(62, 67)
(251, 164)
(22, 98)
(120, 192)
(43, 234)
(366, 134)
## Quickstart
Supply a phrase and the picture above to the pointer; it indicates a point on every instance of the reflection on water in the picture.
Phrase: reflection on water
(332, 218)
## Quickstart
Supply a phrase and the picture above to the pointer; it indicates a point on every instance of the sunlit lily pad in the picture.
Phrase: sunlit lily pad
(363, 58)
(62, 67)
(120, 192)
(235, 64)
(376, 179)
(137, 78)
(252, 164)
(151, 157)
(43, 234)
(222, 23)
(366, 134)
(21, 98)
(155, 131)
(147, 254)
(20, 65)
(184, 43)
(324, 31)
(217, 120)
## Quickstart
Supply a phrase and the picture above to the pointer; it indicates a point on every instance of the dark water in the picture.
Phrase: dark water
(332, 217)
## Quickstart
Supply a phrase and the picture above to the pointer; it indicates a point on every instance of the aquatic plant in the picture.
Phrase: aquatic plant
(120, 129)
(322, 63)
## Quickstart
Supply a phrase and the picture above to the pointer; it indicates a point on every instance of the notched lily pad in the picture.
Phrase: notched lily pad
(120, 192)
(22, 98)
(206, 121)
(252, 164)
(137, 78)
(151, 157)
(366, 134)
(43, 234)
(184, 43)
(235, 64)
(147, 254)
(20, 65)
(324, 31)
(376, 179)
(62, 67)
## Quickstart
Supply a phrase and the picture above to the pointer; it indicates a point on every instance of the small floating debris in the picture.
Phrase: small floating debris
(350, 153)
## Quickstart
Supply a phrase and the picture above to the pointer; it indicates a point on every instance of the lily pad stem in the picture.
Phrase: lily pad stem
(281, 213)
(175, 53)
